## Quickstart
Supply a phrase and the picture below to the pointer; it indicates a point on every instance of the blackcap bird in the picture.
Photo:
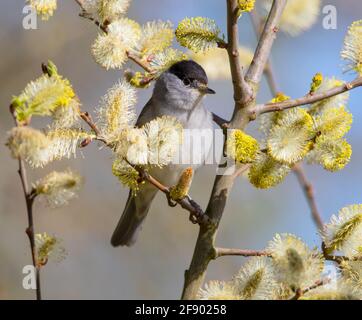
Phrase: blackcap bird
(178, 92)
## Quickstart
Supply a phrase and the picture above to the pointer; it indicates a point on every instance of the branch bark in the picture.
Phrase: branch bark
(140, 62)
(266, 41)
(220, 252)
(29, 201)
(307, 99)
(300, 292)
(242, 90)
(85, 15)
(309, 194)
(222, 123)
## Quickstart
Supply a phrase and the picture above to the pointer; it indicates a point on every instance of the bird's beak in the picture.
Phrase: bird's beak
(209, 91)
(204, 89)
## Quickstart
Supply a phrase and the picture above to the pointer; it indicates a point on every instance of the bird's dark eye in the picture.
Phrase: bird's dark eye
(187, 81)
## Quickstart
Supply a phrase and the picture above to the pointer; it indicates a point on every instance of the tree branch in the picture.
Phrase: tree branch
(266, 41)
(86, 15)
(242, 90)
(244, 97)
(89, 121)
(220, 252)
(29, 200)
(299, 293)
(186, 203)
(140, 62)
(309, 194)
(307, 99)
(222, 123)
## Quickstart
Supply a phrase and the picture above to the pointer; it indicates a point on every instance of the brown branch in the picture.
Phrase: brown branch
(268, 71)
(30, 229)
(242, 90)
(309, 194)
(196, 213)
(266, 41)
(84, 14)
(244, 97)
(29, 200)
(143, 64)
(307, 99)
(222, 123)
(222, 44)
(88, 119)
(331, 257)
(239, 171)
(220, 252)
(300, 292)
(270, 78)
(139, 62)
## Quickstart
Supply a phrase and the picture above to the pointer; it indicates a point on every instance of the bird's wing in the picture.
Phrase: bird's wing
(146, 115)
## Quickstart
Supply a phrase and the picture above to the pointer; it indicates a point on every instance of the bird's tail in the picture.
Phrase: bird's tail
(132, 218)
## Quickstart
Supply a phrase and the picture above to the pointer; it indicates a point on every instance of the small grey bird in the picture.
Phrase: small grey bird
(178, 92)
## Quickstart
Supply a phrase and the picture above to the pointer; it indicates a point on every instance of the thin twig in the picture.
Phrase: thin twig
(222, 123)
(88, 119)
(222, 44)
(331, 257)
(265, 43)
(140, 62)
(242, 90)
(186, 203)
(270, 78)
(29, 200)
(268, 71)
(241, 170)
(299, 293)
(309, 194)
(307, 99)
(220, 252)
(86, 15)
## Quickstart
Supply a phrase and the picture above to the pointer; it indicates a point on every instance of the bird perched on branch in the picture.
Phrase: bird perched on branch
(178, 92)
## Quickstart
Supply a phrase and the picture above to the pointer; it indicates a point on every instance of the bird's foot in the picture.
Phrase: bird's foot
(170, 201)
(198, 215)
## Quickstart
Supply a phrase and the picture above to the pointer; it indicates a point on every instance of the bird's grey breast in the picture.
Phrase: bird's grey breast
(197, 137)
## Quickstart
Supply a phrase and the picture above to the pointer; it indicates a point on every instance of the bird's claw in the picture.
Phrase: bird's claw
(171, 202)
(198, 216)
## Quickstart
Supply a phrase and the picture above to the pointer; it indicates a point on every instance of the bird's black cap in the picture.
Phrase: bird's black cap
(188, 69)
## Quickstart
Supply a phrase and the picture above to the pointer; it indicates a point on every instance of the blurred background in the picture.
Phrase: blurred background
(154, 267)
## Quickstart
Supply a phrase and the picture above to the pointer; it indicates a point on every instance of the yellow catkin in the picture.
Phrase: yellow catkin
(182, 188)
(241, 147)
(197, 34)
(316, 82)
(246, 5)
